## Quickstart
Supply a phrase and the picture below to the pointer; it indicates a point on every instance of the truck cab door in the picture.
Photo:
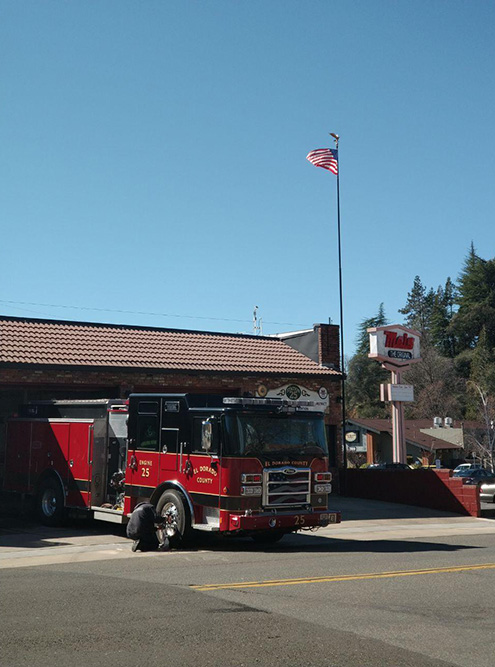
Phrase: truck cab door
(144, 441)
(205, 472)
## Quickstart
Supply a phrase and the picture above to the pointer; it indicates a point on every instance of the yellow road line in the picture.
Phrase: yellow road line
(346, 577)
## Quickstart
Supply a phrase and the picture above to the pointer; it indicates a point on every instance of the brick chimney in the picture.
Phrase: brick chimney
(328, 345)
(321, 344)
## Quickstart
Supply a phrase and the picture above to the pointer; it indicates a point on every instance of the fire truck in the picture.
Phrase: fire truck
(238, 466)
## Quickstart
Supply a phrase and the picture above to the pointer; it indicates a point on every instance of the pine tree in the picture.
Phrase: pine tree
(363, 388)
(476, 299)
(362, 339)
(419, 306)
(471, 282)
(450, 296)
(365, 375)
(441, 317)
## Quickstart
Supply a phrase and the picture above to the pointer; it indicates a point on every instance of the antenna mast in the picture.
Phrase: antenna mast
(257, 323)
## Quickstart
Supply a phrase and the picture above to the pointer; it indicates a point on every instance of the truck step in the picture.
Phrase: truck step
(206, 526)
(107, 514)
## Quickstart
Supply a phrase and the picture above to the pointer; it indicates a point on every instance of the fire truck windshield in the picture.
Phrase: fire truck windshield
(274, 435)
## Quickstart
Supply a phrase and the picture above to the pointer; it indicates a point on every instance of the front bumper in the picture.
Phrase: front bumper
(281, 521)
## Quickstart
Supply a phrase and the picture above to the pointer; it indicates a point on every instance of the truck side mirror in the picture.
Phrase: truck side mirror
(206, 435)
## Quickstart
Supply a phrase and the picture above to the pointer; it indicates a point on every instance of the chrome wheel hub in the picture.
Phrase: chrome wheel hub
(171, 520)
(48, 502)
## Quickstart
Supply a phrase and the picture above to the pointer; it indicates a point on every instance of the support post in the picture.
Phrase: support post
(398, 425)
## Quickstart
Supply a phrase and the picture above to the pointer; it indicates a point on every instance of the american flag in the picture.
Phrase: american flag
(324, 157)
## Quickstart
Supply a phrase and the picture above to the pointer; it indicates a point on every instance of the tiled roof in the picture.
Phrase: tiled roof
(61, 343)
(414, 431)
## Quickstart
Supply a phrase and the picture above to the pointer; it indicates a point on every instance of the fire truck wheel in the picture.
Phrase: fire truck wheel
(50, 502)
(268, 536)
(172, 506)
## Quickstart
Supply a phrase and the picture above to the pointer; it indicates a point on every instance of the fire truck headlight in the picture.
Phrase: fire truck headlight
(323, 488)
(250, 490)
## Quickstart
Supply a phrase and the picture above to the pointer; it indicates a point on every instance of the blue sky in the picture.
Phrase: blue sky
(153, 157)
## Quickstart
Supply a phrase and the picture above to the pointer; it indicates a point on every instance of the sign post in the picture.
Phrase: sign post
(396, 348)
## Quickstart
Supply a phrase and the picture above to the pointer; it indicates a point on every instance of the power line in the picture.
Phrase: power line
(139, 312)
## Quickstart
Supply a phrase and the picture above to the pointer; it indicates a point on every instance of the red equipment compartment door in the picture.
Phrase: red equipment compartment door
(79, 469)
(49, 448)
(17, 455)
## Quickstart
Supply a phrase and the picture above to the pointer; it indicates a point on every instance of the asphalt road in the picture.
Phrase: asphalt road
(389, 587)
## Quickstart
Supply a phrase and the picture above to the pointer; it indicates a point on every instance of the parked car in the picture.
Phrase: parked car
(487, 491)
(467, 466)
(475, 475)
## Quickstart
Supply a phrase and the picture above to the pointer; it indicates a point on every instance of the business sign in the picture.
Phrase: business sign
(396, 392)
(294, 392)
(352, 437)
(395, 345)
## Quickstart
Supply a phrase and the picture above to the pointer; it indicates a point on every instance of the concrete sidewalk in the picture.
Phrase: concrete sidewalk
(25, 541)
(373, 519)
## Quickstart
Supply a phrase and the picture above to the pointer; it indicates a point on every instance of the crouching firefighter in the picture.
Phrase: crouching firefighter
(142, 528)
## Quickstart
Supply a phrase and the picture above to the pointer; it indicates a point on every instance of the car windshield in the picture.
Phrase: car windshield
(275, 435)
(477, 472)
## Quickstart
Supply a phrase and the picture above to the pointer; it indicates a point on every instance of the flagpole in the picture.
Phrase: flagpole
(342, 358)
(328, 158)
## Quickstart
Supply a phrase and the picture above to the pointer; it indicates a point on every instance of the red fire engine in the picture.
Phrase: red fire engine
(242, 466)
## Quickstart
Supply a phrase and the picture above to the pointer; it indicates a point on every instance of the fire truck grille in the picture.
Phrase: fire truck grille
(286, 487)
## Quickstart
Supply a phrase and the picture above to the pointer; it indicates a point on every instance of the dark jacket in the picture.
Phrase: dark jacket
(143, 521)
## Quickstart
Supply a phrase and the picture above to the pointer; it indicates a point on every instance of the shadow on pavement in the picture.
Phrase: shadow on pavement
(359, 509)
(20, 529)
(487, 511)
(298, 544)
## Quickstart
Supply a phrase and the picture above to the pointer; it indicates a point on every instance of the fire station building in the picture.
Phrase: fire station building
(42, 359)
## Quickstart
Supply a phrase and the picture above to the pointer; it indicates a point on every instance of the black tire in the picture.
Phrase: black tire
(50, 502)
(268, 536)
(172, 505)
